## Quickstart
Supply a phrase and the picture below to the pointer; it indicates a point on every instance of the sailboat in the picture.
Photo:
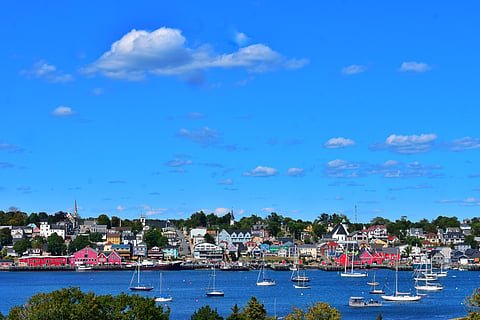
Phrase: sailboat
(427, 277)
(138, 286)
(163, 298)
(400, 296)
(298, 275)
(212, 291)
(262, 280)
(352, 274)
(374, 285)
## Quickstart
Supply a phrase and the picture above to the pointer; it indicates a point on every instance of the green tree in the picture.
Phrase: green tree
(116, 221)
(95, 237)
(5, 237)
(318, 311)
(21, 246)
(206, 313)
(154, 238)
(56, 245)
(254, 310)
(71, 303)
(473, 304)
(209, 238)
(236, 314)
(37, 243)
(470, 239)
(198, 219)
(78, 243)
(103, 219)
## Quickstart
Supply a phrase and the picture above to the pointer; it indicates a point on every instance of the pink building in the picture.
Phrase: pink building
(111, 258)
(85, 256)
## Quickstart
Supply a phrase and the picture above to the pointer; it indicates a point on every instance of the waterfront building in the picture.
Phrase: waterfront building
(170, 252)
(113, 237)
(227, 237)
(109, 258)
(43, 261)
(85, 256)
(207, 252)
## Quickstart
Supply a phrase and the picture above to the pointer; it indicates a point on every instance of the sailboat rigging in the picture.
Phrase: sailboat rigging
(163, 297)
(138, 286)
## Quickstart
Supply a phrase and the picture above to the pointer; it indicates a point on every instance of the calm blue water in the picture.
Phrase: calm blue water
(187, 289)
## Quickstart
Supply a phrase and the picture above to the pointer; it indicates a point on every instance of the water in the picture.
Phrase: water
(187, 289)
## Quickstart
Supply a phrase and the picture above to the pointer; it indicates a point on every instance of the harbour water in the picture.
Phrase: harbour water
(187, 287)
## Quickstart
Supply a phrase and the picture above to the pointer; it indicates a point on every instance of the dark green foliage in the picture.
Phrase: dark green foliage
(56, 245)
(71, 303)
(78, 243)
(254, 310)
(153, 237)
(21, 246)
(103, 219)
(206, 313)
(95, 237)
(236, 314)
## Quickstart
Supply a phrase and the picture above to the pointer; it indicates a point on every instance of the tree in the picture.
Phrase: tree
(103, 219)
(56, 245)
(78, 243)
(209, 238)
(254, 310)
(236, 314)
(198, 219)
(72, 303)
(21, 246)
(318, 311)
(95, 237)
(473, 304)
(206, 313)
(5, 237)
(154, 238)
(470, 239)
(37, 242)
(116, 221)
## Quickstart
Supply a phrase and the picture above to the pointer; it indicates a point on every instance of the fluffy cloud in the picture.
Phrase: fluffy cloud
(261, 172)
(63, 112)
(221, 211)
(241, 39)
(204, 136)
(194, 115)
(414, 67)
(407, 144)
(164, 52)
(10, 147)
(464, 144)
(354, 69)
(296, 172)
(48, 72)
(341, 169)
(335, 143)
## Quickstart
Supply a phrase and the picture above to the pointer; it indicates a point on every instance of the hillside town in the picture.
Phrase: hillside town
(66, 241)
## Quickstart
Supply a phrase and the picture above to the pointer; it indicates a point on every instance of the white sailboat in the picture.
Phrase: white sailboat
(262, 280)
(400, 296)
(138, 286)
(212, 291)
(163, 297)
(374, 285)
(352, 274)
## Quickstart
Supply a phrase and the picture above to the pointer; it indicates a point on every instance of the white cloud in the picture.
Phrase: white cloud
(414, 67)
(221, 211)
(465, 143)
(179, 162)
(335, 143)
(268, 209)
(63, 112)
(407, 144)
(164, 52)
(261, 172)
(354, 69)
(241, 39)
(97, 91)
(48, 72)
(296, 172)
(120, 208)
(390, 163)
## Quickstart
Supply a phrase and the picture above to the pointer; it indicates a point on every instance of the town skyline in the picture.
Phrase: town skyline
(169, 109)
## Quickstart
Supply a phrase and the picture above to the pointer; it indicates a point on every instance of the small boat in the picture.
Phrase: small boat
(429, 287)
(213, 292)
(262, 280)
(374, 285)
(360, 302)
(138, 286)
(83, 267)
(164, 297)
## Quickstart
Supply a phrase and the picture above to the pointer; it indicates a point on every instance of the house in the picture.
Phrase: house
(432, 238)
(377, 232)
(415, 232)
(170, 252)
(466, 229)
(308, 251)
(46, 230)
(339, 233)
(113, 237)
(259, 230)
(453, 237)
(358, 236)
(392, 240)
(109, 258)
(198, 235)
(329, 250)
(226, 237)
(438, 258)
(123, 250)
(84, 256)
(172, 237)
(43, 261)
(139, 250)
(207, 252)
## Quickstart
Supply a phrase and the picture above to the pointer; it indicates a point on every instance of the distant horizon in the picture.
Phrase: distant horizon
(167, 109)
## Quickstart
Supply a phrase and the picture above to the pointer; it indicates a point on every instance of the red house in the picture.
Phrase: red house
(109, 257)
(85, 256)
(43, 261)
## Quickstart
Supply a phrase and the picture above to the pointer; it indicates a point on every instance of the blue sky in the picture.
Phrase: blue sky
(169, 108)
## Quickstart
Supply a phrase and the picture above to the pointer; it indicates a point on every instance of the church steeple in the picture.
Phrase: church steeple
(232, 218)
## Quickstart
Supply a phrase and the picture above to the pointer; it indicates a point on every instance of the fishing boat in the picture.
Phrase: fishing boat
(400, 296)
(262, 280)
(83, 267)
(360, 302)
(351, 273)
(163, 297)
(212, 291)
(138, 286)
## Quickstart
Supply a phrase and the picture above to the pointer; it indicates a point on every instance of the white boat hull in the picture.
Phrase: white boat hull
(266, 283)
(353, 275)
(163, 299)
(401, 298)
(216, 293)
